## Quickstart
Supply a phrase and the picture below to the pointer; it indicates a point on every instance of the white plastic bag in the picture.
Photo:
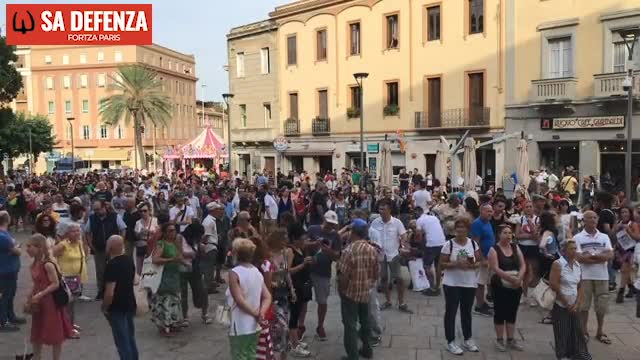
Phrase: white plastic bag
(418, 276)
(151, 275)
(544, 295)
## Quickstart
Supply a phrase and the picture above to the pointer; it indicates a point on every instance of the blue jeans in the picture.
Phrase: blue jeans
(8, 287)
(124, 334)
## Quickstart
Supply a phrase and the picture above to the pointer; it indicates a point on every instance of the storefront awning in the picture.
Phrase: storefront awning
(104, 154)
(310, 149)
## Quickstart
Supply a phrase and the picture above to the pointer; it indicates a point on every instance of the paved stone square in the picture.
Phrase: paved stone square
(407, 337)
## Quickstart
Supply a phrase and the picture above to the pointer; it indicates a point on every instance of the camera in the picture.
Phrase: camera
(626, 83)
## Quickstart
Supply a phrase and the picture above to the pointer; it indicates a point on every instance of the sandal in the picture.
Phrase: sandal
(75, 335)
(385, 306)
(166, 332)
(603, 338)
(547, 320)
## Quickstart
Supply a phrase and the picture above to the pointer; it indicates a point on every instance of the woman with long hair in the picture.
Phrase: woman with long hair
(50, 324)
(146, 230)
(299, 268)
(46, 225)
(527, 235)
(166, 309)
(627, 233)
(161, 207)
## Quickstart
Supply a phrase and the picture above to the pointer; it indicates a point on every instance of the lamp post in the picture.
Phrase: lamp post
(630, 37)
(73, 149)
(360, 80)
(227, 98)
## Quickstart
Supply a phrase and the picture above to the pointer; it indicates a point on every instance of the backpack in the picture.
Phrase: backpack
(473, 243)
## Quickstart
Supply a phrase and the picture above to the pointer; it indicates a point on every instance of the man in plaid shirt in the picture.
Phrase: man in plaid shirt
(357, 272)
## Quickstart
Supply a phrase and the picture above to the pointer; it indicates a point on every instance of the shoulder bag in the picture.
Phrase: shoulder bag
(74, 283)
(61, 295)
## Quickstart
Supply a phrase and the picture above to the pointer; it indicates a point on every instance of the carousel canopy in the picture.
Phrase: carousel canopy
(206, 145)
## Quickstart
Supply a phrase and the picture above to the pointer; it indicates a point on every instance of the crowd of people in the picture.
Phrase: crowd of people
(275, 242)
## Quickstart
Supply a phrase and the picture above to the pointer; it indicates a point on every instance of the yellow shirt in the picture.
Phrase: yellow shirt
(569, 184)
(72, 261)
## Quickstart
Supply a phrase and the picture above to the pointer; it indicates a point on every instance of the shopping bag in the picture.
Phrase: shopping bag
(223, 315)
(544, 295)
(151, 275)
(142, 302)
(418, 276)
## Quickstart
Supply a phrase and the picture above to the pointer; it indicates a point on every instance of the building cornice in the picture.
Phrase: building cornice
(558, 24)
(252, 29)
(613, 15)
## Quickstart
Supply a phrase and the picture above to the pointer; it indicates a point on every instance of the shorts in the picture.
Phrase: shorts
(599, 291)
(431, 255)
(483, 275)
(390, 268)
(530, 252)
(321, 288)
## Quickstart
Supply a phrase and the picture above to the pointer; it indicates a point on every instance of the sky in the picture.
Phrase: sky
(197, 27)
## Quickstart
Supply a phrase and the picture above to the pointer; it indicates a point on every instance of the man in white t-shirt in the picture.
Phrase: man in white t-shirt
(270, 217)
(594, 251)
(422, 197)
(181, 214)
(208, 249)
(391, 239)
(429, 230)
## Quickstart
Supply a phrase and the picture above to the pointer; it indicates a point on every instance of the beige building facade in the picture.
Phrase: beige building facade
(64, 82)
(566, 64)
(435, 69)
(255, 108)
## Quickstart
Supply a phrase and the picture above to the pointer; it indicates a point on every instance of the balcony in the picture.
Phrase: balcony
(292, 127)
(321, 126)
(605, 85)
(454, 118)
(553, 89)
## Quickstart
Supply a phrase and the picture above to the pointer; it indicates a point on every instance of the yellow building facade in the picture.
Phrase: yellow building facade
(565, 66)
(435, 69)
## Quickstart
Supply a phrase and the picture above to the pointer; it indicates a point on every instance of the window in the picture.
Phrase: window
(52, 107)
(265, 61)
(392, 93)
(85, 106)
(118, 56)
(103, 132)
(323, 104)
(83, 58)
(169, 65)
(560, 61)
(476, 98)
(83, 81)
(433, 23)
(243, 116)
(621, 54)
(66, 81)
(49, 82)
(239, 65)
(355, 97)
(292, 50)
(67, 107)
(476, 16)
(119, 132)
(65, 59)
(434, 103)
(293, 105)
(354, 38)
(102, 79)
(267, 114)
(392, 32)
(47, 59)
(100, 56)
(321, 45)
(86, 132)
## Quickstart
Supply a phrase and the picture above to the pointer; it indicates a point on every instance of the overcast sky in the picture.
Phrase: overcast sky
(196, 27)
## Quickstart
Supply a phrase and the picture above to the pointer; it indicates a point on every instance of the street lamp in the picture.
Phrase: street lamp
(136, 132)
(360, 80)
(227, 98)
(630, 37)
(73, 150)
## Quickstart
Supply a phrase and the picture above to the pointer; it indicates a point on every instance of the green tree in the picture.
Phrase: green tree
(137, 97)
(10, 78)
(15, 130)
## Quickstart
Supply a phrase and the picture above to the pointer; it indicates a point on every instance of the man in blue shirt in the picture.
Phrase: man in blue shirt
(9, 268)
(482, 233)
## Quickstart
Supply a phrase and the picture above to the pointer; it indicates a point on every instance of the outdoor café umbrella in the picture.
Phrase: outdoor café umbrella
(442, 155)
(522, 171)
(469, 165)
(386, 171)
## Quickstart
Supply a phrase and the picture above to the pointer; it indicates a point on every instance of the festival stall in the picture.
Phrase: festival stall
(206, 146)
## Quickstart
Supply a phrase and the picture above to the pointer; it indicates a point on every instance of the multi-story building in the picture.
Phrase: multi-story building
(255, 110)
(566, 64)
(68, 82)
(435, 69)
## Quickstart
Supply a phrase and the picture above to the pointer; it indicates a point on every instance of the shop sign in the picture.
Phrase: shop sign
(582, 123)
(280, 143)
(373, 148)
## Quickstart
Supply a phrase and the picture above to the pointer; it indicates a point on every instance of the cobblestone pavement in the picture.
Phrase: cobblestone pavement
(407, 337)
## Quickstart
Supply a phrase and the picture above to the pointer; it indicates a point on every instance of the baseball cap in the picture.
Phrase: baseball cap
(331, 217)
(358, 224)
(214, 205)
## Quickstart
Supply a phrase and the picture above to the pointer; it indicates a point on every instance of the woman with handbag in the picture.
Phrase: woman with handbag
(166, 309)
(299, 268)
(564, 280)
(146, 230)
(71, 259)
(627, 233)
(527, 235)
(508, 265)
(191, 275)
(50, 324)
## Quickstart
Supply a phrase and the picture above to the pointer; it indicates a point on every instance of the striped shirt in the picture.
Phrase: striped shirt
(359, 264)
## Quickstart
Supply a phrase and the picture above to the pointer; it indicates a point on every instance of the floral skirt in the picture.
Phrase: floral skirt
(280, 326)
(166, 311)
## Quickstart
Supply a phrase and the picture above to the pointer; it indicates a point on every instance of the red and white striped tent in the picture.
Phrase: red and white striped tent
(207, 145)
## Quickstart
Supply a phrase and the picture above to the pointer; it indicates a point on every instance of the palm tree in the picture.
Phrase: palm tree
(138, 96)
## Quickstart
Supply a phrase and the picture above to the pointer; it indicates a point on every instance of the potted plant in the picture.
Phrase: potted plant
(353, 113)
(391, 110)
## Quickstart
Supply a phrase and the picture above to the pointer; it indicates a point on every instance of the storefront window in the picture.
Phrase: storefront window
(612, 165)
(559, 155)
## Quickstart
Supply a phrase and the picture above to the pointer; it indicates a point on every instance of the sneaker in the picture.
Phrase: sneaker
(500, 345)
(513, 344)
(84, 298)
(303, 345)
(405, 309)
(470, 345)
(483, 310)
(431, 292)
(375, 341)
(302, 331)
(620, 296)
(533, 302)
(300, 352)
(612, 287)
(321, 335)
(9, 328)
(207, 320)
(453, 348)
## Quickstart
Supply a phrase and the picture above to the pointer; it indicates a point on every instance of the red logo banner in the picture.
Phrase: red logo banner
(79, 24)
